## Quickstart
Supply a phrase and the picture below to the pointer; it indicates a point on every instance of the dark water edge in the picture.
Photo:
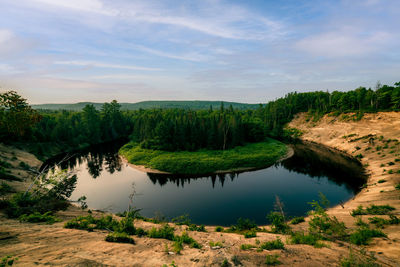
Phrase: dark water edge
(215, 199)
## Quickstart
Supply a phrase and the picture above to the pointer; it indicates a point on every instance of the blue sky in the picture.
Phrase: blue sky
(63, 51)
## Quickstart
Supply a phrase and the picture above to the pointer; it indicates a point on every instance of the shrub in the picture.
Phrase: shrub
(119, 238)
(272, 260)
(236, 261)
(126, 226)
(178, 246)
(221, 229)
(242, 225)
(373, 210)
(250, 234)
(308, 239)
(278, 224)
(358, 260)
(166, 232)
(363, 235)
(381, 181)
(186, 239)
(194, 227)
(297, 220)
(275, 244)
(328, 227)
(37, 217)
(381, 222)
(215, 244)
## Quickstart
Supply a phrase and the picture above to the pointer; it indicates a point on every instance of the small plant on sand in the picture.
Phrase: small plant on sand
(308, 239)
(397, 186)
(381, 181)
(219, 229)
(250, 234)
(119, 238)
(247, 246)
(272, 260)
(8, 261)
(271, 245)
(363, 235)
(37, 217)
(235, 260)
(361, 259)
(165, 231)
(373, 210)
(225, 263)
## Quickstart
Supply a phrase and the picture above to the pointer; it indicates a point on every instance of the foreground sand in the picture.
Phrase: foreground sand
(40, 244)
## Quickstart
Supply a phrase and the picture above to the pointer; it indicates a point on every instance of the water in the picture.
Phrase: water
(215, 200)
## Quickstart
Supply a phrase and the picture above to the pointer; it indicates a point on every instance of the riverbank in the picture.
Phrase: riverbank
(374, 141)
(40, 244)
(242, 158)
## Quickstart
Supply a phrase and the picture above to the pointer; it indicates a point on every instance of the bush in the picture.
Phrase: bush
(297, 220)
(186, 239)
(194, 227)
(119, 238)
(308, 239)
(328, 227)
(363, 235)
(219, 229)
(275, 244)
(272, 260)
(278, 224)
(250, 234)
(37, 217)
(373, 210)
(166, 232)
(242, 225)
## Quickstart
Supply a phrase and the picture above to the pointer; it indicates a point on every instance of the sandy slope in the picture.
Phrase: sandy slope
(39, 244)
(333, 132)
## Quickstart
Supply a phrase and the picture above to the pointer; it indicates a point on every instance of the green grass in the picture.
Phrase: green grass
(272, 260)
(297, 220)
(37, 217)
(363, 235)
(308, 239)
(247, 246)
(373, 210)
(275, 244)
(253, 155)
(119, 238)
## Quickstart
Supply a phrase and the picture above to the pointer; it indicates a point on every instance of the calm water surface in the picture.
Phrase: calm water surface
(219, 199)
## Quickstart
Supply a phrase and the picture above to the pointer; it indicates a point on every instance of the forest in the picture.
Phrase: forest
(175, 129)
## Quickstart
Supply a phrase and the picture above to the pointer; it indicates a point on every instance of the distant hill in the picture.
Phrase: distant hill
(195, 105)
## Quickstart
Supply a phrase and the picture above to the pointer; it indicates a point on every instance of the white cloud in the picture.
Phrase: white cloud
(341, 44)
(189, 56)
(103, 65)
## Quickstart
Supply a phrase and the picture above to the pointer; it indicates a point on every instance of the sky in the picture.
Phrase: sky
(66, 51)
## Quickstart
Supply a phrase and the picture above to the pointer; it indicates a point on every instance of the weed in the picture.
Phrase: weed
(362, 236)
(37, 217)
(272, 260)
(250, 234)
(225, 263)
(275, 244)
(373, 210)
(278, 224)
(8, 261)
(236, 261)
(166, 232)
(119, 238)
(308, 239)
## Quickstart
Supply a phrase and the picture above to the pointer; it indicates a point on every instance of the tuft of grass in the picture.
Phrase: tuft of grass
(165, 231)
(308, 239)
(297, 220)
(275, 244)
(37, 217)
(272, 260)
(250, 234)
(362, 236)
(119, 238)
(373, 210)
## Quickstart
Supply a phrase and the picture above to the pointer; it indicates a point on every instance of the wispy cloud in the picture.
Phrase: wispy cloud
(103, 65)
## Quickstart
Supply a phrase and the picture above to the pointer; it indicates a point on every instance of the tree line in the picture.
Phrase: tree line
(182, 129)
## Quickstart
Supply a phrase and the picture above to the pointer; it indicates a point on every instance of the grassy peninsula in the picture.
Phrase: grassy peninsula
(250, 155)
